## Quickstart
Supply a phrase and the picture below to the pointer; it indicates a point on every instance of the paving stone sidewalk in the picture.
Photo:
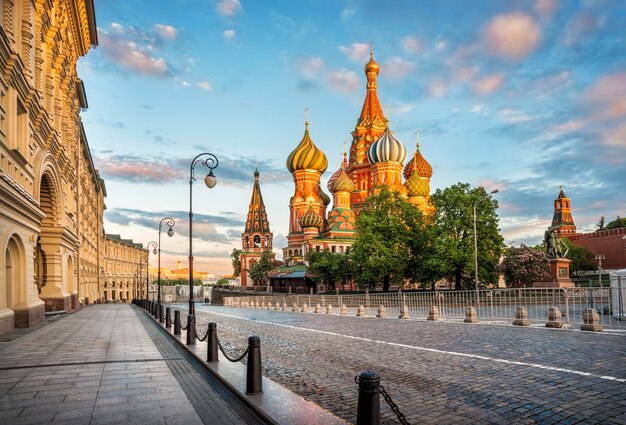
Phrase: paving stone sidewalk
(108, 364)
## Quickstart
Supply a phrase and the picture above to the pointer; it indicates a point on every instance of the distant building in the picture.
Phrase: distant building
(609, 243)
(124, 269)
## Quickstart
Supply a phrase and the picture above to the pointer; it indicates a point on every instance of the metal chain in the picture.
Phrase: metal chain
(205, 335)
(184, 327)
(232, 359)
(393, 405)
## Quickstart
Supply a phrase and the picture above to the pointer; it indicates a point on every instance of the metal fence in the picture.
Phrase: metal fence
(494, 306)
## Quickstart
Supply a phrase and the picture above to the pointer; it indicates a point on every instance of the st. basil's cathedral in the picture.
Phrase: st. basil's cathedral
(376, 159)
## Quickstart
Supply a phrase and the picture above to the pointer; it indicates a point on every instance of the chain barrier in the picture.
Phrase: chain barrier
(232, 359)
(184, 327)
(393, 405)
(205, 335)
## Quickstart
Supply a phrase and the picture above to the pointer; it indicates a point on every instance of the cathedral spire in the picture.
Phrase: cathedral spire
(257, 217)
(371, 113)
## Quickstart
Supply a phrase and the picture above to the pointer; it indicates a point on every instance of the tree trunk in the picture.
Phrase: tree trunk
(457, 279)
(386, 284)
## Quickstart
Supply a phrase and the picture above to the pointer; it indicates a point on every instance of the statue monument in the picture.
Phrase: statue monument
(559, 265)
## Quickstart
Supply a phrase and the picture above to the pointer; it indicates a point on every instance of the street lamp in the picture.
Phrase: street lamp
(153, 245)
(210, 181)
(487, 196)
(171, 223)
(600, 257)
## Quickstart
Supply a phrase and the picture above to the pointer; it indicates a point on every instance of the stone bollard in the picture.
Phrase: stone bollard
(470, 314)
(161, 315)
(591, 321)
(191, 329)
(343, 310)
(176, 322)
(277, 307)
(305, 308)
(168, 318)
(285, 307)
(211, 340)
(295, 307)
(318, 308)
(381, 311)
(254, 383)
(368, 404)
(521, 317)
(262, 305)
(554, 318)
(404, 312)
(329, 309)
(433, 313)
(360, 312)
(257, 304)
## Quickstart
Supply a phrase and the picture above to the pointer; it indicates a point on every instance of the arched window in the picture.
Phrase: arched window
(257, 241)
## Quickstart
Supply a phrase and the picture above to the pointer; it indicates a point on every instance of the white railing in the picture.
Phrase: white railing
(494, 306)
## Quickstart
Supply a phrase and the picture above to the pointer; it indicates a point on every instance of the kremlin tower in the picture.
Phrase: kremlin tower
(257, 237)
(563, 215)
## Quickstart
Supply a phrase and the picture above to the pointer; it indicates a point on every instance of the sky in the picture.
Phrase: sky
(519, 96)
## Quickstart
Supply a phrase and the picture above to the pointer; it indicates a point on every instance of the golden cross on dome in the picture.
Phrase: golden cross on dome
(345, 144)
(306, 114)
(417, 137)
(387, 110)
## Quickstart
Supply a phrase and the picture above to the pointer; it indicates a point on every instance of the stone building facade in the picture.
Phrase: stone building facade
(124, 269)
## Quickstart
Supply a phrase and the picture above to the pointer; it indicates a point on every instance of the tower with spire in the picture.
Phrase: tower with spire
(563, 215)
(257, 237)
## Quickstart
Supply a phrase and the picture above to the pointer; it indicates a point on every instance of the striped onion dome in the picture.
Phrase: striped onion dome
(344, 166)
(418, 163)
(311, 219)
(324, 196)
(307, 156)
(386, 149)
(417, 185)
(342, 183)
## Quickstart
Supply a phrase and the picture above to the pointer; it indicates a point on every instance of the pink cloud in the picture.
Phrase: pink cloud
(553, 82)
(567, 127)
(357, 51)
(397, 68)
(411, 44)
(546, 8)
(131, 56)
(512, 36)
(166, 32)
(607, 97)
(228, 8)
(488, 84)
(615, 136)
(138, 169)
(437, 88)
(343, 80)
(310, 66)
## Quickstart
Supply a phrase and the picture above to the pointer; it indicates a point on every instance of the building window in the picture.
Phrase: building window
(332, 248)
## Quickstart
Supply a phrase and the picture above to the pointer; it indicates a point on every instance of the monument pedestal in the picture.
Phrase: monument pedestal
(559, 273)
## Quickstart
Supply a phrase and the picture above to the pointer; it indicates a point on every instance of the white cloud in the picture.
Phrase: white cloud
(343, 80)
(546, 8)
(228, 8)
(397, 68)
(205, 85)
(357, 52)
(131, 56)
(437, 88)
(411, 44)
(477, 109)
(513, 35)
(229, 34)
(310, 66)
(347, 13)
(166, 32)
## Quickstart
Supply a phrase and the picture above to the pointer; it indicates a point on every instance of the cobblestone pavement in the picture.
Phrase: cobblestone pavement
(106, 364)
(436, 372)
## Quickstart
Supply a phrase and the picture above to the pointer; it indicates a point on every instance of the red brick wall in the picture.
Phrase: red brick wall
(610, 243)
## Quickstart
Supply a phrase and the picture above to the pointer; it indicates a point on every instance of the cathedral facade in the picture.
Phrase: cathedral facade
(376, 159)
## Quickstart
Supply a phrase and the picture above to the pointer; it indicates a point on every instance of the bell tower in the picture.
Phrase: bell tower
(257, 237)
(563, 215)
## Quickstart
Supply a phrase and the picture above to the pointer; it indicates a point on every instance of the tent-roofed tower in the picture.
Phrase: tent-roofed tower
(369, 127)
(563, 215)
(257, 237)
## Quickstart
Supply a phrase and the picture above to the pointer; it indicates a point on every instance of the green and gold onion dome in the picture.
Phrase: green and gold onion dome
(307, 156)
(386, 149)
(342, 183)
(417, 185)
(311, 219)
(419, 164)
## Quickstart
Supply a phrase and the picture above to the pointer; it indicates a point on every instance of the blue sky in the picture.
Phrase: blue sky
(518, 96)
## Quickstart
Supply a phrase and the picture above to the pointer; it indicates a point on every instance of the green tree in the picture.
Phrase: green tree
(582, 259)
(524, 265)
(328, 267)
(222, 282)
(618, 222)
(260, 270)
(236, 261)
(388, 240)
(453, 235)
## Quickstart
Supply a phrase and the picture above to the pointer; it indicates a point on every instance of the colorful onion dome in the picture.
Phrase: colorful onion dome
(418, 163)
(311, 219)
(344, 165)
(417, 185)
(342, 183)
(307, 156)
(372, 65)
(386, 149)
(341, 219)
(324, 196)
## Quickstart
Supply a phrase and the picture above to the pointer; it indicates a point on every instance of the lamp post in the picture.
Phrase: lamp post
(600, 257)
(210, 181)
(171, 223)
(153, 245)
(487, 196)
